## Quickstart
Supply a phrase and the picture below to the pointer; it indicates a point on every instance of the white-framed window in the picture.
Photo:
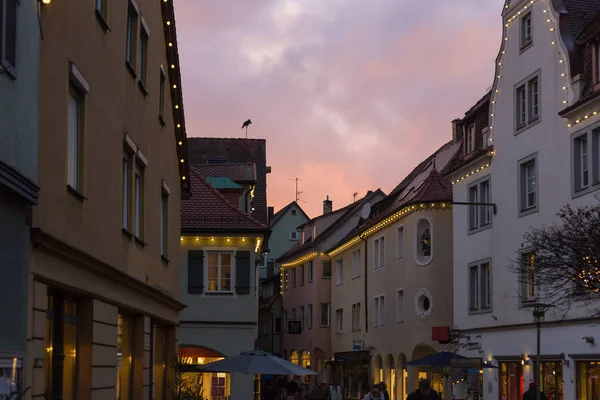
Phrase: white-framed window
(220, 277)
(162, 95)
(126, 189)
(301, 317)
(310, 271)
(339, 318)
(527, 101)
(379, 252)
(480, 286)
(399, 306)
(75, 138)
(356, 317)
(325, 314)
(294, 235)
(310, 316)
(400, 242)
(528, 185)
(8, 36)
(526, 30)
(470, 142)
(139, 188)
(339, 272)
(142, 70)
(131, 37)
(164, 221)
(528, 289)
(379, 311)
(302, 275)
(480, 215)
(586, 161)
(356, 263)
(293, 277)
(102, 10)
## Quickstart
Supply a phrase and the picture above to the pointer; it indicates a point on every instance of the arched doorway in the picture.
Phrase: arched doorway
(377, 369)
(402, 378)
(437, 380)
(295, 358)
(217, 384)
(390, 376)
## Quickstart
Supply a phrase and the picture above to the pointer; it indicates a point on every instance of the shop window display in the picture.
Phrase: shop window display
(588, 380)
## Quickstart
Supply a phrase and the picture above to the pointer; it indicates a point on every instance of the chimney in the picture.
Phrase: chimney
(327, 206)
(270, 212)
(457, 130)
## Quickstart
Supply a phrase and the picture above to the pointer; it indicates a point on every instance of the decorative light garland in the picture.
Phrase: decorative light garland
(551, 20)
(579, 120)
(386, 222)
(590, 275)
(212, 239)
(301, 260)
(471, 173)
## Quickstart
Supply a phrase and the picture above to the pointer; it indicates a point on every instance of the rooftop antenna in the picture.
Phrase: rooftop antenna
(354, 195)
(298, 192)
(245, 125)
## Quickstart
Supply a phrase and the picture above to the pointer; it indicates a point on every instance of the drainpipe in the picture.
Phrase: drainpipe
(366, 280)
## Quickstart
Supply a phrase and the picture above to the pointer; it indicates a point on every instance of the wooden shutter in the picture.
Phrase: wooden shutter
(8, 34)
(195, 271)
(242, 272)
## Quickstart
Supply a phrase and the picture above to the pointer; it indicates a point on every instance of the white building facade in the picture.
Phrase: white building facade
(527, 171)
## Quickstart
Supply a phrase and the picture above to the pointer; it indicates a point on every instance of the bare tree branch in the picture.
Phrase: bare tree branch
(565, 272)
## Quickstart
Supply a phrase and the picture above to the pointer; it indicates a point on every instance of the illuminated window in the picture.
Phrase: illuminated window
(588, 380)
(220, 276)
(527, 277)
(511, 380)
(125, 358)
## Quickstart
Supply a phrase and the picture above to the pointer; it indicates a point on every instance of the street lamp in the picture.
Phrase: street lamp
(539, 312)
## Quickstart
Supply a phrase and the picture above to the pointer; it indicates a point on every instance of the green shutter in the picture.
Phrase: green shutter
(242, 272)
(195, 271)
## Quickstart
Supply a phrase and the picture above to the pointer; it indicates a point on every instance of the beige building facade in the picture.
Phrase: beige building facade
(392, 284)
(104, 271)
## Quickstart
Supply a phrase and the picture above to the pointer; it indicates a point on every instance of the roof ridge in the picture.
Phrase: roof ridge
(226, 138)
(227, 202)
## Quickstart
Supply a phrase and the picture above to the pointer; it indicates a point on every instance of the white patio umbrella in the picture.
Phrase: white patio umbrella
(256, 362)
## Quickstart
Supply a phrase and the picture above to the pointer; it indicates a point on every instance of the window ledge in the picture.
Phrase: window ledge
(528, 125)
(528, 211)
(140, 242)
(126, 232)
(400, 322)
(325, 277)
(586, 190)
(102, 21)
(219, 294)
(130, 69)
(165, 260)
(479, 229)
(480, 311)
(339, 283)
(161, 120)
(76, 193)
(143, 88)
(525, 46)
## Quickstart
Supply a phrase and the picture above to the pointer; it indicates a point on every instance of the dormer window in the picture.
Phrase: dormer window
(470, 144)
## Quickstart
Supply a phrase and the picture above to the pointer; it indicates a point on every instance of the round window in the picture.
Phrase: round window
(424, 303)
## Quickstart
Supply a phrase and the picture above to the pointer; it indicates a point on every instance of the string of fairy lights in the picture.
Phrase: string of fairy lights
(222, 241)
(551, 21)
(589, 276)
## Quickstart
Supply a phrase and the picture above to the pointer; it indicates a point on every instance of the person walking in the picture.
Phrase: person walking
(424, 392)
(374, 393)
(385, 395)
(531, 393)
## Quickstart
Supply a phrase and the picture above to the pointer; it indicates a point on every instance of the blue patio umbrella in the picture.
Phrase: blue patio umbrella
(443, 359)
(256, 362)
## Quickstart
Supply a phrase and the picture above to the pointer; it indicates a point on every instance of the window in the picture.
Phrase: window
(356, 317)
(220, 272)
(164, 221)
(480, 287)
(277, 325)
(302, 317)
(527, 101)
(379, 252)
(470, 143)
(310, 271)
(339, 272)
(526, 31)
(480, 215)
(339, 317)
(159, 357)
(139, 188)
(588, 379)
(293, 212)
(586, 161)
(527, 277)
(60, 308)
(400, 243)
(326, 269)
(126, 189)
(302, 275)
(424, 242)
(325, 314)
(75, 139)
(132, 28)
(581, 166)
(293, 235)
(356, 263)
(511, 380)
(310, 316)
(399, 306)
(293, 277)
(528, 188)
(162, 95)
(379, 311)
(102, 11)
(8, 36)
(125, 357)
(142, 70)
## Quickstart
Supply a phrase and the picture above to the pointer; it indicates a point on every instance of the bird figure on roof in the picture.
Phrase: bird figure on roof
(245, 125)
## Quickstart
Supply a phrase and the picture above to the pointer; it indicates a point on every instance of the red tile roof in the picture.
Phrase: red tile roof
(208, 150)
(208, 211)
(238, 172)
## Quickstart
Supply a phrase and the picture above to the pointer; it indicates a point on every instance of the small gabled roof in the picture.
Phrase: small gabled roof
(208, 211)
(284, 210)
(238, 172)
(222, 182)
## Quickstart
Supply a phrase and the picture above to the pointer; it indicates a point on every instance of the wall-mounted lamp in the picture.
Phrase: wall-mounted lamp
(524, 358)
(46, 1)
(589, 339)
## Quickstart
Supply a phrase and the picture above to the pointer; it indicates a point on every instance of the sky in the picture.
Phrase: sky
(350, 94)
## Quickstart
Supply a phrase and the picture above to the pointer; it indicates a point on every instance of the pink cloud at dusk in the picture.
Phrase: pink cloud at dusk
(350, 94)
